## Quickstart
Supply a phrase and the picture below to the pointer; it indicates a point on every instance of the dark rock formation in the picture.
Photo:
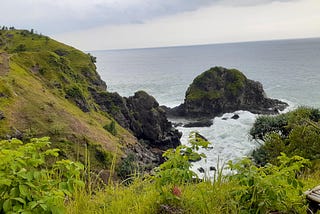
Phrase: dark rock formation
(201, 170)
(212, 168)
(235, 117)
(2, 115)
(142, 115)
(199, 123)
(220, 90)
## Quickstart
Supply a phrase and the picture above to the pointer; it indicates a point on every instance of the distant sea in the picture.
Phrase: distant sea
(288, 69)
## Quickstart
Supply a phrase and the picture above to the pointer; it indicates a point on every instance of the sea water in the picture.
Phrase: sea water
(288, 69)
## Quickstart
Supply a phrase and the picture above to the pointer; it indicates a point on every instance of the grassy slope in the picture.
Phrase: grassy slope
(33, 96)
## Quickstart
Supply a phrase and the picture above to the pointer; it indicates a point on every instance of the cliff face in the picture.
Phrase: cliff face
(142, 115)
(220, 90)
(51, 89)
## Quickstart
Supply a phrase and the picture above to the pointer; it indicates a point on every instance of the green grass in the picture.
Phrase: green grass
(198, 198)
(33, 98)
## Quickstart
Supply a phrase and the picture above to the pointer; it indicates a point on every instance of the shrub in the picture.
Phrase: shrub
(127, 167)
(21, 48)
(111, 127)
(29, 183)
(294, 133)
(268, 124)
(271, 188)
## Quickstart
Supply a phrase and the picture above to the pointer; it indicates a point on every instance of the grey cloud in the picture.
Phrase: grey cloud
(62, 16)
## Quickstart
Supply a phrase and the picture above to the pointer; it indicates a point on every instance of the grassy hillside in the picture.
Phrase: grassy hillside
(44, 92)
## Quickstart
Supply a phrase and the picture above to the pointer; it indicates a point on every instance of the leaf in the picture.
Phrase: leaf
(7, 205)
(23, 190)
(20, 200)
(5, 181)
(26, 212)
(63, 186)
(44, 206)
(53, 152)
(14, 192)
(33, 204)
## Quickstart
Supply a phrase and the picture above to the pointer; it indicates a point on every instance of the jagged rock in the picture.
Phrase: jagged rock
(201, 170)
(220, 90)
(2, 115)
(199, 123)
(235, 117)
(141, 114)
(212, 168)
(15, 133)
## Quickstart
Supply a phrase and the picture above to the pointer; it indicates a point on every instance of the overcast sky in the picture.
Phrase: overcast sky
(113, 24)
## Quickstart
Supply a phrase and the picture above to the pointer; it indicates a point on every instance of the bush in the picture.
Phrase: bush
(29, 183)
(271, 188)
(127, 167)
(294, 133)
(21, 48)
(74, 92)
(268, 124)
(111, 127)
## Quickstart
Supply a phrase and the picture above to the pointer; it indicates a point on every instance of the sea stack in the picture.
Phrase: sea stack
(220, 90)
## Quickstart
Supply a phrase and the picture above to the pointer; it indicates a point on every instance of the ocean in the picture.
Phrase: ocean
(289, 70)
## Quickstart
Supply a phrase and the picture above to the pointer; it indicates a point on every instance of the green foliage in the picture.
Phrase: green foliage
(211, 85)
(176, 169)
(21, 47)
(268, 124)
(111, 127)
(127, 167)
(247, 189)
(269, 188)
(31, 184)
(236, 82)
(294, 133)
(74, 92)
(98, 156)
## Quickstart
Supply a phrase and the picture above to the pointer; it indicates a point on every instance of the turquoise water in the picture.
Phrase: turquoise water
(288, 69)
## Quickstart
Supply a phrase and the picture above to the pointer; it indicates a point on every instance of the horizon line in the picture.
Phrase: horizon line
(204, 44)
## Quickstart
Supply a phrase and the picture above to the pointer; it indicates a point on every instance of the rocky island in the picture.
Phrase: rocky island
(220, 90)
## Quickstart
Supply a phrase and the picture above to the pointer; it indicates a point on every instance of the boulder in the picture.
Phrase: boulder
(220, 90)
(201, 170)
(235, 117)
(212, 168)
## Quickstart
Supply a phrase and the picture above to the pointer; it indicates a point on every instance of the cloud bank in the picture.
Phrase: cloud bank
(60, 16)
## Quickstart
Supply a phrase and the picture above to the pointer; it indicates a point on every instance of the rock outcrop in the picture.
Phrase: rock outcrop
(1, 115)
(142, 115)
(220, 90)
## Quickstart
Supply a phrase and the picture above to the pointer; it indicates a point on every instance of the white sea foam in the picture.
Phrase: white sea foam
(229, 138)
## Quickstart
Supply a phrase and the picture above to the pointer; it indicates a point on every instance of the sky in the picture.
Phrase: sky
(121, 24)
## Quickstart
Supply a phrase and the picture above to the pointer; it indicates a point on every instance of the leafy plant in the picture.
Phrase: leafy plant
(269, 188)
(176, 169)
(294, 133)
(30, 181)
